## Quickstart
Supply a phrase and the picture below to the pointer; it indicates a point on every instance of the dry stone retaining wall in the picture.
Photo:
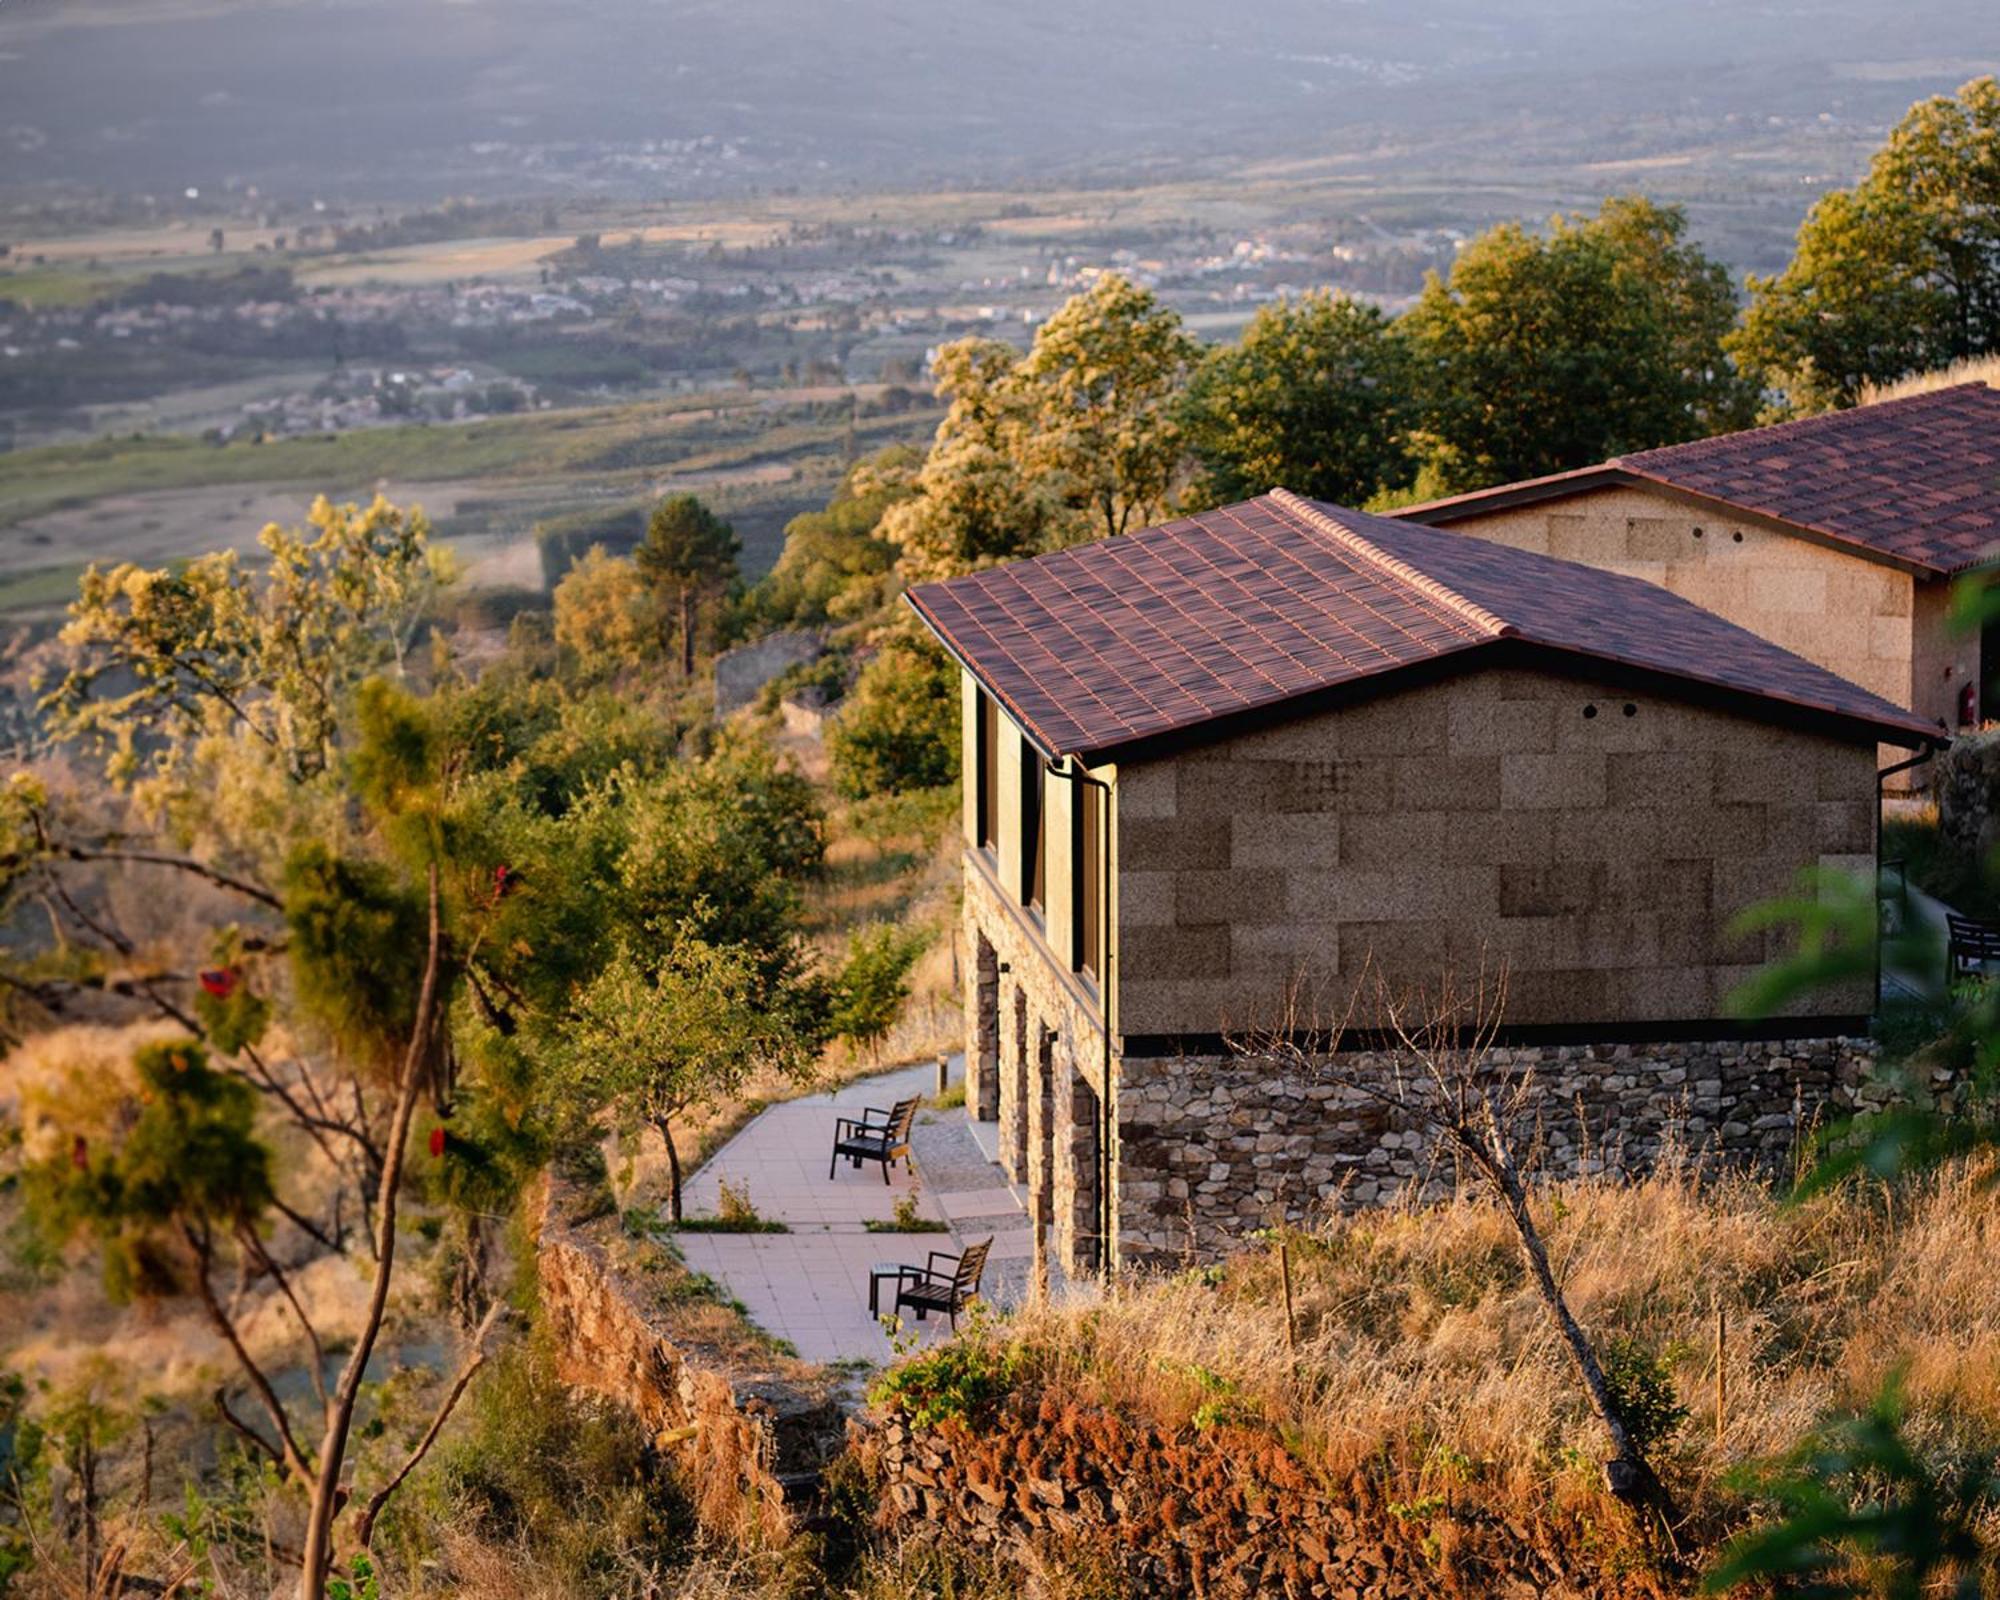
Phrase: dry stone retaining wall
(745, 1436)
(1225, 1512)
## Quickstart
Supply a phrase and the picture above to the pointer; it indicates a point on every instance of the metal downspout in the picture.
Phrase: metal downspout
(1104, 1217)
(1881, 799)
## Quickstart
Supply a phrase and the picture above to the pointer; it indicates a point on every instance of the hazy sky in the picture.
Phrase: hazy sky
(354, 94)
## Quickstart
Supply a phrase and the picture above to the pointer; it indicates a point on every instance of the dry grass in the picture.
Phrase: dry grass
(1974, 369)
(1425, 1363)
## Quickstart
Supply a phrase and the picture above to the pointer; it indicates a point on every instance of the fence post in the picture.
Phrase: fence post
(1721, 1370)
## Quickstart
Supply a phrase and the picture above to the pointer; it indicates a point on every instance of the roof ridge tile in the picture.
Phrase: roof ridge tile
(1467, 611)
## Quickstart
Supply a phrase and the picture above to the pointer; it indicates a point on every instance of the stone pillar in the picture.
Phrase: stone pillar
(982, 1031)
(1041, 1126)
(1079, 1221)
(1014, 1044)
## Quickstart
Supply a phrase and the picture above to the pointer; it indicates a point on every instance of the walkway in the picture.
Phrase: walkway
(810, 1286)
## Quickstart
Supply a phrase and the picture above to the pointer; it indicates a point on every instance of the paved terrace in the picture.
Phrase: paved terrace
(810, 1285)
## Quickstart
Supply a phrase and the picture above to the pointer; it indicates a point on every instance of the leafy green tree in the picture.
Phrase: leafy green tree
(898, 730)
(837, 565)
(975, 502)
(1542, 353)
(1899, 274)
(1078, 439)
(654, 1037)
(874, 982)
(1864, 1515)
(689, 558)
(167, 658)
(1102, 387)
(607, 616)
(182, 1191)
(1315, 398)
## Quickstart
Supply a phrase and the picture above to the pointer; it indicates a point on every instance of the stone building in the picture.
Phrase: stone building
(1837, 536)
(1283, 748)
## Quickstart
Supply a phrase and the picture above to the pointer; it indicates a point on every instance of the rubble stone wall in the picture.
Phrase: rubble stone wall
(1226, 1513)
(1227, 1144)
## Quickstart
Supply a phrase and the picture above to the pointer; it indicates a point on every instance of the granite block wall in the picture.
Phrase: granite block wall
(1883, 629)
(1596, 842)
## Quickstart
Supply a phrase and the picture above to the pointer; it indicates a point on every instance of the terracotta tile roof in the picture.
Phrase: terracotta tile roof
(1915, 480)
(1255, 604)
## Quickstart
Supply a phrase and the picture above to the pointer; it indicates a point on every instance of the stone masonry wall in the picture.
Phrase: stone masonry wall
(1595, 841)
(1049, 1054)
(1868, 622)
(1239, 1143)
(743, 1434)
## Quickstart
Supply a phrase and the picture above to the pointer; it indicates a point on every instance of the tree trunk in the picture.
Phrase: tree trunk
(1627, 1474)
(673, 1170)
(328, 1496)
(687, 631)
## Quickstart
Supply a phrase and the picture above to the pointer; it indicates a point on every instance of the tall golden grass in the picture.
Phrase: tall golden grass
(1423, 1359)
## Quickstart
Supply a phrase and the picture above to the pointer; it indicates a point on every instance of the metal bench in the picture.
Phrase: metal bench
(879, 1136)
(949, 1287)
(1973, 944)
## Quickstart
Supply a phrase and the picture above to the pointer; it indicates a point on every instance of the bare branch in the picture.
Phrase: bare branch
(475, 1358)
(256, 1248)
(160, 858)
(290, 1455)
(326, 1495)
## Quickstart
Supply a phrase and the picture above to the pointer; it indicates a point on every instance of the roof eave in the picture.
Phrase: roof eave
(1029, 731)
(1469, 507)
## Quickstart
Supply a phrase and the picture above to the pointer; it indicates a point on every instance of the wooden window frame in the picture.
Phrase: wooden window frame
(1034, 814)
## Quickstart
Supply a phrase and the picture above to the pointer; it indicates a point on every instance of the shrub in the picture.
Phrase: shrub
(898, 730)
(960, 1380)
(874, 982)
(1642, 1390)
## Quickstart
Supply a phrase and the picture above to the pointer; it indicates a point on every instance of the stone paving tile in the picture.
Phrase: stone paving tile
(810, 1286)
(976, 1203)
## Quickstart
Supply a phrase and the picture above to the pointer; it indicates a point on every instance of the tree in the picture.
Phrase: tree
(1543, 353)
(1078, 439)
(1102, 386)
(874, 982)
(1315, 398)
(837, 565)
(898, 730)
(1473, 1110)
(654, 1038)
(607, 616)
(689, 559)
(183, 1187)
(1900, 273)
(975, 503)
(167, 658)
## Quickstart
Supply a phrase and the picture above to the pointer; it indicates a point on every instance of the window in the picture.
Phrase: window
(1087, 896)
(1032, 795)
(988, 715)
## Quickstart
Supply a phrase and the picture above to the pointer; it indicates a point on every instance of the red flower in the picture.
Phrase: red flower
(79, 1153)
(437, 1141)
(218, 981)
